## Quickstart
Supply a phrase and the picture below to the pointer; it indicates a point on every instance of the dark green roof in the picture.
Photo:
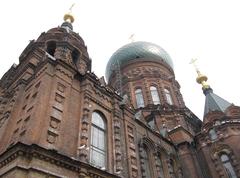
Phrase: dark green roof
(134, 51)
(214, 102)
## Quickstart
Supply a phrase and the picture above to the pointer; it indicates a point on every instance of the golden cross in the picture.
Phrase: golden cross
(70, 9)
(193, 62)
(132, 38)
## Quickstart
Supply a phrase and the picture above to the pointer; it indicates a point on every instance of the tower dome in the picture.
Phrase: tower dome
(137, 51)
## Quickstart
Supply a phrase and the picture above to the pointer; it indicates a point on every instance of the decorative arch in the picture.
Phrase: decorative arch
(146, 150)
(217, 149)
(149, 142)
(223, 158)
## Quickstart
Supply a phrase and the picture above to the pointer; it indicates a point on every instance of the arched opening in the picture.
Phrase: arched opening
(75, 56)
(146, 162)
(51, 47)
(98, 141)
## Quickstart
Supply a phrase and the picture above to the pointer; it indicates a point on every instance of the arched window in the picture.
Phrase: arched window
(98, 142)
(139, 98)
(159, 160)
(212, 134)
(168, 96)
(154, 94)
(146, 159)
(228, 166)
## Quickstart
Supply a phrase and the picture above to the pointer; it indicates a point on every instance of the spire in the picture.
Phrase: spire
(68, 19)
(213, 102)
(201, 79)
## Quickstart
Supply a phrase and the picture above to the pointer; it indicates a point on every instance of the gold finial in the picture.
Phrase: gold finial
(201, 79)
(68, 17)
(132, 38)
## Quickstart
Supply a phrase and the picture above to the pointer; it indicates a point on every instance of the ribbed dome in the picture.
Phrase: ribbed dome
(135, 50)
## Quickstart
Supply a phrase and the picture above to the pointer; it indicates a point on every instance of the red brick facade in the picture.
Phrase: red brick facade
(46, 119)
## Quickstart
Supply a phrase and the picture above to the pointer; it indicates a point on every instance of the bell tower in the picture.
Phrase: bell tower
(46, 69)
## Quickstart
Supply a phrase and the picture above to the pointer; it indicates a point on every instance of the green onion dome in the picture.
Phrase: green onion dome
(134, 51)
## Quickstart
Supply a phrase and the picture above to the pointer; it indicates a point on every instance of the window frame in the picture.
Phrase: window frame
(97, 148)
(139, 96)
(168, 96)
(226, 163)
(154, 93)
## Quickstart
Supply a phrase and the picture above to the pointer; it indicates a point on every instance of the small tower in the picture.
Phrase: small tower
(45, 110)
(213, 102)
(217, 142)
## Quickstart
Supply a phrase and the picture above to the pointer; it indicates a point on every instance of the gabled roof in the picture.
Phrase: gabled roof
(214, 102)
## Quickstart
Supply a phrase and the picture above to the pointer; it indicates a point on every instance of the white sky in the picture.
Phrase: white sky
(205, 29)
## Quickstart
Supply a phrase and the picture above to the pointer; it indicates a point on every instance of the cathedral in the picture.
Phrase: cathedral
(59, 120)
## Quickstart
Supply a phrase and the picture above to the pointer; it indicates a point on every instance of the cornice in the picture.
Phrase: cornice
(51, 156)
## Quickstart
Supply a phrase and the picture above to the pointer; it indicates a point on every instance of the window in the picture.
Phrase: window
(212, 134)
(159, 160)
(75, 56)
(139, 98)
(51, 47)
(154, 94)
(146, 160)
(228, 166)
(98, 142)
(168, 96)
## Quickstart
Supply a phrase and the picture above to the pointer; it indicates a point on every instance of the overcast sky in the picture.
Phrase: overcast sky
(205, 29)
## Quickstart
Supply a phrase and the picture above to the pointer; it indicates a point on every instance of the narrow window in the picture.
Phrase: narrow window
(228, 166)
(75, 56)
(146, 160)
(155, 96)
(139, 98)
(51, 47)
(98, 142)
(172, 168)
(212, 134)
(168, 96)
(159, 160)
